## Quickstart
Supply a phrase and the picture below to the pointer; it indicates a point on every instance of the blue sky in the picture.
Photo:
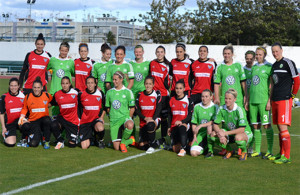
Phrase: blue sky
(126, 9)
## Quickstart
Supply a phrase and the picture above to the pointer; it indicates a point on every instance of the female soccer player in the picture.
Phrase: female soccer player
(120, 106)
(203, 70)
(67, 101)
(159, 69)
(11, 105)
(83, 67)
(202, 120)
(35, 64)
(180, 114)
(120, 65)
(100, 68)
(140, 69)
(92, 122)
(259, 101)
(180, 68)
(285, 79)
(36, 106)
(230, 75)
(148, 108)
(235, 127)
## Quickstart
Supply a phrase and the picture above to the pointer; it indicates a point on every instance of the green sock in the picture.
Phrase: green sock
(242, 145)
(250, 145)
(270, 135)
(228, 147)
(126, 134)
(128, 142)
(134, 130)
(257, 137)
(210, 143)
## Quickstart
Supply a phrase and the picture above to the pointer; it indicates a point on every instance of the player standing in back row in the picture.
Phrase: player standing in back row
(284, 76)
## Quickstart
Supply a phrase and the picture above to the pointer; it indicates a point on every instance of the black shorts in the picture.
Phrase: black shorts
(71, 129)
(165, 105)
(196, 98)
(175, 136)
(143, 136)
(86, 130)
(12, 128)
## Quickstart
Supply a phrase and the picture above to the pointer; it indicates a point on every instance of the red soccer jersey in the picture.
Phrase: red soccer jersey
(91, 105)
(68, 105)
(160, 72)
(12, 106)
(83, 69)
(34, 65)
(181, 70)
(203, 74)
(147, 105)
(179, 110)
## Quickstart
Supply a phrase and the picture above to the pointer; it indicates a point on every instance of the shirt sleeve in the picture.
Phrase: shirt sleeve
(137, 107)
(131, 99)
(242, 74)
(25, 106)
(49, 66)
(219, 117)
(107, 101)
(108, 75)
(53, 101)
(72, 68)
(24, 69)
(130, 71)
(2, 104)
(94, 71)
(189, 115)
(195, 116)
(242, 118)
(217, 76)
(158, 106)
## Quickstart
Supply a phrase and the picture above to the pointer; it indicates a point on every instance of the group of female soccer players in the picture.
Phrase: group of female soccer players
(175, 96)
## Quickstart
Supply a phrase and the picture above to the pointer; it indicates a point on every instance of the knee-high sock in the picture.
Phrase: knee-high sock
(183, 136)
(164, 128)
(270, 139)
(286, 143)
(210, 143)
(242, 145)
(252, 141)
(126, 135)
(257, 137)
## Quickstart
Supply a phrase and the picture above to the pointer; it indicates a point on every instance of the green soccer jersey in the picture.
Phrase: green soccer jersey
(141, 71)
(230, 76)
(259, 89)
(60, 68)
(232, 119)
(119, 102)
(203, 114)
(99, 72)
(125, 67)
(248, 77)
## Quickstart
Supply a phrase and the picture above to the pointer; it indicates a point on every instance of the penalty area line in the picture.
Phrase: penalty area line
(75, 174)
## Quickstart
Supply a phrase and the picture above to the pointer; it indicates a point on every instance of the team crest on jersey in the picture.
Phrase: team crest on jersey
(209, 66)
(22, 100)
(60, 73)
(281, 65)
(138, 77)
(98, 98)
(255, 80)
(153, 100)
(184, 105)
(186, 65)
(45, 102)
(103, 77)
(116, 104)
(73, 96)
(204, 121)
(45, 60)
(88, 66)
(231, 126)
(163, 69)
(230, 80)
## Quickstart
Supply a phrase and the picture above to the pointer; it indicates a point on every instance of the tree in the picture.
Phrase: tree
(111, 38)
(163, 23)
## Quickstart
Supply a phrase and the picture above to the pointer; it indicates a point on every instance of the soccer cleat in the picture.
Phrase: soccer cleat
(243, 156)
(209, 155)
(59, 145)
(250, 150)
(239, 151)
(228, 154)
(150, 150)
(22, 143)
(135, 144)
(282, 160)
(275, 157)
(101, 144)
(181, 153)
(268, 156)
(47, 145)
(256, 154)
(123, 148)
(223, 152)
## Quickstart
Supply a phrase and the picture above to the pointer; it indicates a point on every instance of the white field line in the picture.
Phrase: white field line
(74, 174)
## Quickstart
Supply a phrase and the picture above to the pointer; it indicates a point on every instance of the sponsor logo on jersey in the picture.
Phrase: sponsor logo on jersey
(65, 106)
(79, 72)
(153, 100)
(203, 121)
(275, 78)
(178, 112)
(98, 98)
(45, 102)
(14, 110)
(178, 72)
(103, 77)
(73, 96)
(147, 107)
(91, 107)
(138, 77)
(116, 104)
(38, 110)
(230, 80)
(255, 80)
(40, 67)
(60, 73)
(157, 74)
(186, 65)
(231, 126)
(202, 75)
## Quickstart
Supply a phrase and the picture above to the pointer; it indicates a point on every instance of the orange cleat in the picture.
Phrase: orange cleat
(228, 154)
(123, 148)
(239, 151)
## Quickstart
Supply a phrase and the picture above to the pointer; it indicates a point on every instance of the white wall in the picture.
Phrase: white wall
(16, 51)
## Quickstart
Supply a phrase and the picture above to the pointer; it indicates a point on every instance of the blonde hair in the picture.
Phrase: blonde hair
(232, 92)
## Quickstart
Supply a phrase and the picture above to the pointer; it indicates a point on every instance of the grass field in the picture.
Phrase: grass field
(159, 173)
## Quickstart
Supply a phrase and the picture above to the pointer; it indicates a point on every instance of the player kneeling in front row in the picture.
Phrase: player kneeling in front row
(91, 101)
(202, 121)
(120, 106)
(235, 127)
(180, 114)
(148, 108)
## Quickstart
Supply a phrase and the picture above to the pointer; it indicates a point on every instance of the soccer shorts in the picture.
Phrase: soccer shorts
(282, 112)
(11, 129)
(143, 136)
(71, 129)
(86, 130)
(196, 98)
(258, 111)
(200, 137)
(117, 127)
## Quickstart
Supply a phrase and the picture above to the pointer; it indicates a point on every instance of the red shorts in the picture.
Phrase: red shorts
(282, 112)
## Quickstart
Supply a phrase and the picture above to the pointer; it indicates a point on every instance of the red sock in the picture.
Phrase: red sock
(286, 143)
(280, 144)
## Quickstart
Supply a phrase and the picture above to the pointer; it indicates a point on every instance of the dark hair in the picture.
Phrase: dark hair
(83, 45)
(37, 80)
(120, 47)
(228, 47)
(95, 80)
(120, 74)
(165, 59)
(150, 78)
(207, 90)
(184, 49)
(203, 46)
(64, 44)
(250, 52)
(181, 81)
(277, 44)
(139, 46)
(104, 47)
(40, 37)
(68, 78)
(12, 80)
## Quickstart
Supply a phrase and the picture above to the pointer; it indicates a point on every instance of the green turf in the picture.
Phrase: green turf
(160, 173)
